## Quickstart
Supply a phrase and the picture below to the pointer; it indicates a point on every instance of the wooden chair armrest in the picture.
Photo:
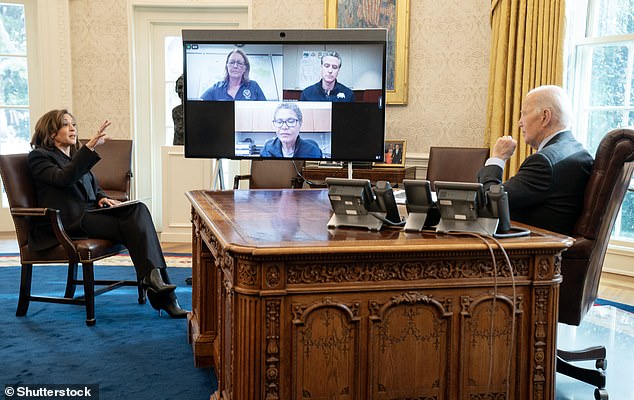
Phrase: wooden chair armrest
(53, 216)
(238, 178)
(29, 212)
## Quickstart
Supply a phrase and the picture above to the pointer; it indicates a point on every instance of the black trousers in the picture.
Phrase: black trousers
(131, 226)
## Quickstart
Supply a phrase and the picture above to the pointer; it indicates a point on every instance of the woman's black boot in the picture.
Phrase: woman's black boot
(167, 302)
(154, 282)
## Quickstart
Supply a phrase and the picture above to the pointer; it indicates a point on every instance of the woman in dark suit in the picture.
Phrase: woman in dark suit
(61, 171)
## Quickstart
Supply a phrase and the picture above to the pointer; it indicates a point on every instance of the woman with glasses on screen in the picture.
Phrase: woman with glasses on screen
(236, 85)
(287, 121)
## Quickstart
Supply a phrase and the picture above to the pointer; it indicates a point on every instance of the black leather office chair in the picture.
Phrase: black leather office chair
(20, 190)
(582, 264)
(455, 164)
(272, 174)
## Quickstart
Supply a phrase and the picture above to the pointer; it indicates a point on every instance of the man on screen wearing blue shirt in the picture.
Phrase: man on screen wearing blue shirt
(328, 89)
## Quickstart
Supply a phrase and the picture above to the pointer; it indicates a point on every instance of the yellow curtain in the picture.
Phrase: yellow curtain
(527, 50)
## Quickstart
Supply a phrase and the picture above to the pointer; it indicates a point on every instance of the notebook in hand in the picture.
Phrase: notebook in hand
(122, 204)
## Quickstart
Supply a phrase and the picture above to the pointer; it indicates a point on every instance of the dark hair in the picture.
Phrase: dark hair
(46, 128)
(290, 106)
(247, 65)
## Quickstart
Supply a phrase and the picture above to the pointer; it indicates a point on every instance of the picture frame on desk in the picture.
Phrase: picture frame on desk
(392, 15)
(394, 154)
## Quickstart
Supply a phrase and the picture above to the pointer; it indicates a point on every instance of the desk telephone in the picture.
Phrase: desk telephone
(419, 200)
(491, 205)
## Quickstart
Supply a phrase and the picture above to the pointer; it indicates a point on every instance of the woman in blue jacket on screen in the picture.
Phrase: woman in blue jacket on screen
(236, 85)
(287, 120)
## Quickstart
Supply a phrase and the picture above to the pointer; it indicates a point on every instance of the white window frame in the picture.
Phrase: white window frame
(620, 257)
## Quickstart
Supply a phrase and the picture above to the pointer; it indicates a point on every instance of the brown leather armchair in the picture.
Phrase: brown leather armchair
(114, 170)
(20, 190)
(582, 264)
(272, 174)
(455, 164)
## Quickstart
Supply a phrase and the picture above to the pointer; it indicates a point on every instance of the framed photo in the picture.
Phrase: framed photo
(390, 14)
(394, 153)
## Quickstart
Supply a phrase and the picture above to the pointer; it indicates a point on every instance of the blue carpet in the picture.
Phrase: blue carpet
(624, 307)
(131, 353)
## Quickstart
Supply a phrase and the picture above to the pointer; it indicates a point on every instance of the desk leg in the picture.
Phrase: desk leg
(203, 327)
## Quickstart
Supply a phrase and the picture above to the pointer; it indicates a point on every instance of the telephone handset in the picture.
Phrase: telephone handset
(386, 203)
(498, 207)
(498, 204)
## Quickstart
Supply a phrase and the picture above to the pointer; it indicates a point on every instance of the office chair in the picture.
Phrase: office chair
(582, 263)
(455, 164)
(20, 191)
(272, 174)
(114, 170)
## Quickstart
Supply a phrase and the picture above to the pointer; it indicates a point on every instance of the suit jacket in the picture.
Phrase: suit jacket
(304, 148)
(65, 184)
(549, 188)
(397, 156)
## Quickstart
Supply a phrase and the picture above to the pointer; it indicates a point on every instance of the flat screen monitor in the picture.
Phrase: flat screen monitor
(298, 94)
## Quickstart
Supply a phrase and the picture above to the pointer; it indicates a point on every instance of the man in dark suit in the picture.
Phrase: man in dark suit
(397, 156)
(548, 189)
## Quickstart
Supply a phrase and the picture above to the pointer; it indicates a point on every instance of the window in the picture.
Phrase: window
(173, 70)
(15, 113)
(600, 79)
(14, 87)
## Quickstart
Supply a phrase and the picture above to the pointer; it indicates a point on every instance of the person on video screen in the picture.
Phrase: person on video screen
(236, 85)
(328, 88)
(287, 120)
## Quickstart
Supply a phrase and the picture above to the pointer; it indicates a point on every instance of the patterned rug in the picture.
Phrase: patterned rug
(173, 260)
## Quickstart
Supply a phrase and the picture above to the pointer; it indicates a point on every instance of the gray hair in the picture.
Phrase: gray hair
(290, 106)
(557, 100)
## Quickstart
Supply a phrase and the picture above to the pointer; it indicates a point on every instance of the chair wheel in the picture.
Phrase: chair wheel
(601, 364)
(90, 322)
(600, 394)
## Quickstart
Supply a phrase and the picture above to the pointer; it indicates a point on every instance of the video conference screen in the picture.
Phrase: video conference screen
(299, 94)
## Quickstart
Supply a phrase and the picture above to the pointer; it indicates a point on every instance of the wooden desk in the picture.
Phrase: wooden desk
(286, 309)
(394, 175)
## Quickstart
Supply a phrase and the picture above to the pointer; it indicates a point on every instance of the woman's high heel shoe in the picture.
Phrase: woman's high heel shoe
(167, 302)
(154, 282)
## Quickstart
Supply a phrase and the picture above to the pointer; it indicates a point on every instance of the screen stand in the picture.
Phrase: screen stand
(367, 221)
(218, 176)
(483, 226)
(415, 221)
(350, 170)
